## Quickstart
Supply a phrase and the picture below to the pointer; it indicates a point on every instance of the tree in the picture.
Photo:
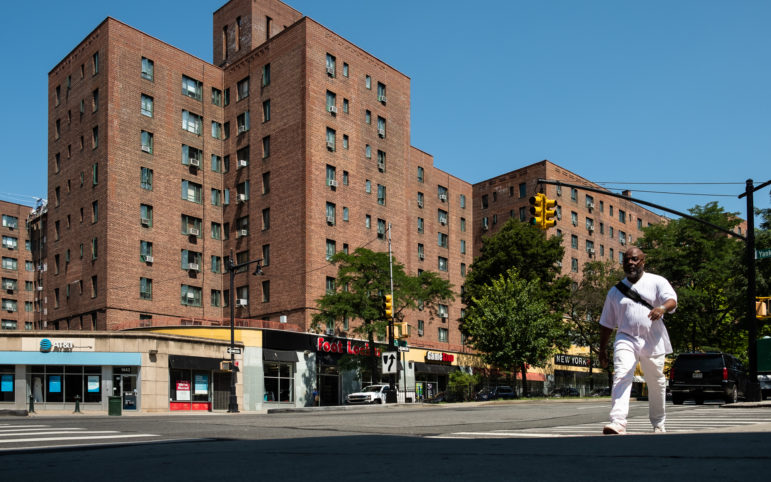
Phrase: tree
(525, 248)
(585, 304)
(363, 277)
(705, 268)
(512, 325)
(763, 266)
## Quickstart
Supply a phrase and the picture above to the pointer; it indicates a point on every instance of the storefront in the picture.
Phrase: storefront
(577, 374)
(433, 374)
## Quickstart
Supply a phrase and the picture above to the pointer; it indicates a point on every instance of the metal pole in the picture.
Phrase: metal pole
(391, 377)
(233, 401)
(753, 386)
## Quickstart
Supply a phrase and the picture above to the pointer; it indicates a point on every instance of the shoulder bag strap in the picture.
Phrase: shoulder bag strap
(631, 294)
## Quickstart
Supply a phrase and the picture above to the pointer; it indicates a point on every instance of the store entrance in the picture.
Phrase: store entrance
(124, 385)
(221, 390)
(329, 385)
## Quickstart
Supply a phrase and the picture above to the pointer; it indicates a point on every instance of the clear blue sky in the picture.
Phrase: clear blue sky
(623, 91)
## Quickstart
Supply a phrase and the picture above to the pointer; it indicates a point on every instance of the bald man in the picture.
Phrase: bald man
(638, 318)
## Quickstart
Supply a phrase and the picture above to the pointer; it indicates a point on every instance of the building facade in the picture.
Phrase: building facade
(18, 285)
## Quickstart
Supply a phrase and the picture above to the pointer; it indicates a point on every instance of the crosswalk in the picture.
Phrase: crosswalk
(22, 436)
(678, 421)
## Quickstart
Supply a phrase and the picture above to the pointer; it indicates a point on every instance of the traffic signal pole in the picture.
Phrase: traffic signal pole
(753, 387)
(390, 317)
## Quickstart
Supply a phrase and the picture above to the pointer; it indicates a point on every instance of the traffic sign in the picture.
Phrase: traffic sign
(762, 253)
(389, 360)
(404, 349)
(234, 350)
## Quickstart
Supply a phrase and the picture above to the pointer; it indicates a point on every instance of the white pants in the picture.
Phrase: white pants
(625, 359)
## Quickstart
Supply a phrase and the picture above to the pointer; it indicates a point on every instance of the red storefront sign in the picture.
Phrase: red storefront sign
(347, 347)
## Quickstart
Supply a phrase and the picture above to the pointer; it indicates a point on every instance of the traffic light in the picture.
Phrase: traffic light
(389, 307)
(225, 366)
(536, 209)
(401, 330)
(549, 211)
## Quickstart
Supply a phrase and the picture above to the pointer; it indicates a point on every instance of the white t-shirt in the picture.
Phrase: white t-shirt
(630, 318)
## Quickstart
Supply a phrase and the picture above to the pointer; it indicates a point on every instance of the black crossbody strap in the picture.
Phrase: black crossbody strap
(633, 295)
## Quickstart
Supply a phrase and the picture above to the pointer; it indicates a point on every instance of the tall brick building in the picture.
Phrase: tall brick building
(292, 145)
(18, 270)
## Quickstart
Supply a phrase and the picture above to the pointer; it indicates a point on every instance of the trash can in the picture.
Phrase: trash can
(114, 406)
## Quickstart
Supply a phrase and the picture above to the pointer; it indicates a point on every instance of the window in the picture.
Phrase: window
(145, 250)
(421, 174)
(243, 191)
(95, 100)
(441, 216)
(266, 75)
(639, 224)
(381, 92)
(331, 102)
(602, 228)
(191, 260)
(331, 172)
(242, 89)
(345, 214)
(573, 241)
(368, 116)
(573, 194)
(368, 221)
(622, 216)
(574, 218)
(590, 225)
(10, 242)
(381, 127)
(330, 212)
(242, 120)
(146, 179)
(368, 151)
(243, 157)
(381, 194)
(226, 97)
(191, 87)
(216, 96)
(191, 191)
(330, 249)
(146, 288)
(610, 232)
(265, 182)
(330, 139)
(368, 186)
(147, 142)
(462, 246)
(345, 106)
(265, 291)
(9, 305)
(485, 201)
(95, 137)
(265, 147)
(589, 202)
(420, 226)
(94, 248)
(574, 265)
(421, 327)
(266, 219)
(216, 264)
(266, 111)
(147, 105)
(602, 206)
(441, 192)
(442, 240)
(192, 122)
(191, 156)
(345, 141)
(94, 63)
(522, 214)
(345, 178)
(463, 201)
(442, 263)
(421, 251)
(266, 255)
(590, 247)
(381, 228)
(216, 298)
(10, 263)
(216, 197)
(485, 223)
(216, 130)
(94, 212)
(331, 65)
(216, 163)
(216, 230)
(226, 130)
(191, 226)
(621, 237)
(463, 269)
(146, 215)
(443, 334)
(368, 82)
(191, 295)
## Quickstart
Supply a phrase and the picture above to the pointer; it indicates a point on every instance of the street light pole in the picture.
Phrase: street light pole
(232, 267)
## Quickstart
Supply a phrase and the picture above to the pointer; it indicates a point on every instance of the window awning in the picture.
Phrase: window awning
(269, 354)
(194, 362)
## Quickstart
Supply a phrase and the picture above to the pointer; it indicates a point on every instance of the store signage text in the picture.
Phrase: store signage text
(47, 345)
(346, 347)
(575, 360)
(442, 357)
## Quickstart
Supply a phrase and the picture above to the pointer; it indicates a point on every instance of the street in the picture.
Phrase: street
(533, 440)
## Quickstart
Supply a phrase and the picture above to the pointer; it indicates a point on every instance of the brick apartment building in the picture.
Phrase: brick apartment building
(292, 145)
(17, 269)
(593, 226)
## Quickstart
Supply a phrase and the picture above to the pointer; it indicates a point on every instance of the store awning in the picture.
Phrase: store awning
(434, 369)
(194, 362)
(269, 354)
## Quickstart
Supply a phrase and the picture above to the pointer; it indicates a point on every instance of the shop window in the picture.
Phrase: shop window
(279, 382)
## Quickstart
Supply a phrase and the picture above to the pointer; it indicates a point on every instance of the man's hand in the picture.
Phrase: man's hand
(604, 358)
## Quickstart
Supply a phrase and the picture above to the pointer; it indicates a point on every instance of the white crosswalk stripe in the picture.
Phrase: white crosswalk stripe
(692, 420)
(16, 436)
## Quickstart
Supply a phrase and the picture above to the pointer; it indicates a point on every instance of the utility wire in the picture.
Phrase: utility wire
(679, 193)
(659, 182)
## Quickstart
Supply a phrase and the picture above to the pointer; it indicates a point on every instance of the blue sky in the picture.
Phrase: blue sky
(617, 91)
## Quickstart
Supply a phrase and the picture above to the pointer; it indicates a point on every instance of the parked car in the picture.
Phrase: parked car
(565, 392)
(443, 397)
(504, 392)
(601, 392)
(371, 394)
(701, 376)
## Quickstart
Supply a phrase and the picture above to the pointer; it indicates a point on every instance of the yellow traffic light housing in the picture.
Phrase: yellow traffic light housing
(549, 211)
(536, 209)
(389, 306)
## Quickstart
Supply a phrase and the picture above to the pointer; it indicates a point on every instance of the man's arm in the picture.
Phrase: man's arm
(659, 311)
(605, 333)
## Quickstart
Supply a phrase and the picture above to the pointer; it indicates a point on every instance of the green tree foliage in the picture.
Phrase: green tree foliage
(525, 248)
(705, 268)
(512, 325)
(763, 266)
(363, 277)
(585, 304)
(462, 384)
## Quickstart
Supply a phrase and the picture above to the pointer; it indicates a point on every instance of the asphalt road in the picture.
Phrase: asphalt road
(519, 441)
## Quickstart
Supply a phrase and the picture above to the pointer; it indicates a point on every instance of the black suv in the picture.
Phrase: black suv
(703, 376)
(500, 392)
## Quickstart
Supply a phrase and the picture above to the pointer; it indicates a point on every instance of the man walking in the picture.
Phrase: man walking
(635, 308)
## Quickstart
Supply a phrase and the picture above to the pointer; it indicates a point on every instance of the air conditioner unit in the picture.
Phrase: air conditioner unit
(146, 148)
(193, 232)
(242, 198)
(194, 161)
(242, 302)
(331, 219)
(244, 232)
(331, 183)
(8, 286)
(192, 266)
(145, 221)
(243, 163)
(190, 295)
(420, 204)
(148, 259)
(381, 98)
(282, 319)
(421, 256)
(590, 206)
(443, 197)
(40, 288)
(241, 129)
(330, 70)
(381, 132)
(381, 165)
(329, 332)
(590, 228)
(332, 109)
(590, 251)
(330, 145)
(442, 221)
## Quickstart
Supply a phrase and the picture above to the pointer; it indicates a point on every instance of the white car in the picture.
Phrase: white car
(371, 394)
